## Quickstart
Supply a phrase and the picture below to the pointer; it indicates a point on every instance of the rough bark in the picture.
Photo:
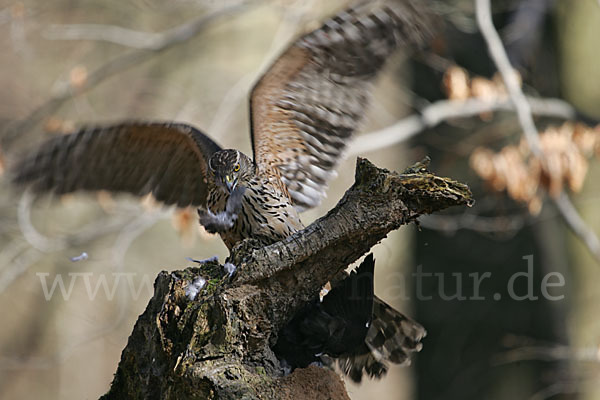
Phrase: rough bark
(218, 345)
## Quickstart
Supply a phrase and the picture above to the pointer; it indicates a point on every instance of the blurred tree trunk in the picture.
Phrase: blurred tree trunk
(578, 30)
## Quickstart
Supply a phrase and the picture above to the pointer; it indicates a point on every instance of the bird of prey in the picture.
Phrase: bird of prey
(303, 112)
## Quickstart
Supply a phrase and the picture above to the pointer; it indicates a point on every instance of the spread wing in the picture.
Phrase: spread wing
(166, 159)
(305, 109)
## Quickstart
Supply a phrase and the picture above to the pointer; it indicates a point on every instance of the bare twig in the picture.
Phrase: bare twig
(47, 244)
(167, 40)
(21, 256)
(577, 224)
(557, 389)
(444, 110)
(524, 113)
(108, 33)
(548, 353)
(509, 76)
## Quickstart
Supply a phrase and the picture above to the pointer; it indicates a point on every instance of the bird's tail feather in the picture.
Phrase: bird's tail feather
(391, 338)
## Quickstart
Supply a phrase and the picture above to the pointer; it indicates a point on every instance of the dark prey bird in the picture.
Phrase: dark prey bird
(352, 326)
(303, 113)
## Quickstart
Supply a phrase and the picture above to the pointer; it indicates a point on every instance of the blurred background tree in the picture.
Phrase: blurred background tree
(67, 64)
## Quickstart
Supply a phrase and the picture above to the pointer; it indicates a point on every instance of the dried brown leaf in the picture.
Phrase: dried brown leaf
(456, 83)
(521, 175)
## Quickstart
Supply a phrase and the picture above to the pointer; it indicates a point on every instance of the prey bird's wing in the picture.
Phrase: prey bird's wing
(306, 107)
(168, 160)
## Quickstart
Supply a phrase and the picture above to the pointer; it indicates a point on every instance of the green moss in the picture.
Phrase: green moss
(212, 285)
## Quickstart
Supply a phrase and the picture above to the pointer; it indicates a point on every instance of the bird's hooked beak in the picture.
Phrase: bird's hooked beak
(230, 182)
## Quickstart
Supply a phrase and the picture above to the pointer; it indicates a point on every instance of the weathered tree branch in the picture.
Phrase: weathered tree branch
(218, 344)
(443, 110)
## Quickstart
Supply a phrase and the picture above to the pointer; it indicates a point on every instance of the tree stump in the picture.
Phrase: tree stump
(217, 344)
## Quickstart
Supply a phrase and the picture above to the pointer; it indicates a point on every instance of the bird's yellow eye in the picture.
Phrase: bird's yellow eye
(236, 168)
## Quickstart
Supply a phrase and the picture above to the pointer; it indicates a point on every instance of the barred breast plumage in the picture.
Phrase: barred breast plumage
(266, 212)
